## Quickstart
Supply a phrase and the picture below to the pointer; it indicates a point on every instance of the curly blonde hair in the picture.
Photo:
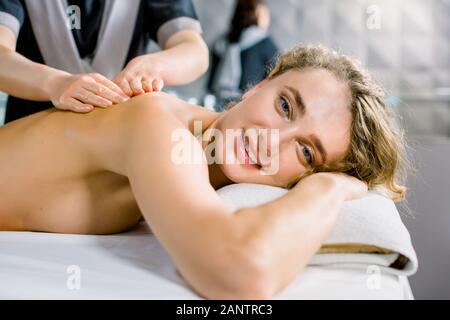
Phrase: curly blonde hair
(377, 147)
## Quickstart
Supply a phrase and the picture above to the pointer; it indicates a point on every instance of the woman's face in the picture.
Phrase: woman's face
(309, 108)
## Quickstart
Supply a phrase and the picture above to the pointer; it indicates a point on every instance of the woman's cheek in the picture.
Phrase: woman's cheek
(292, 168)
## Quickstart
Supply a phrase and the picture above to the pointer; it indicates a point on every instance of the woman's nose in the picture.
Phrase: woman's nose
(287, 134)
(276, 140)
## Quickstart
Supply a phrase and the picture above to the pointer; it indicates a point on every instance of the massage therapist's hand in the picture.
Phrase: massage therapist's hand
(348, 187)
(142, 74)
(83, 92)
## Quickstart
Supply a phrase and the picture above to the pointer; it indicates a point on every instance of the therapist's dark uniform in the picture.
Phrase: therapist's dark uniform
(151, 16)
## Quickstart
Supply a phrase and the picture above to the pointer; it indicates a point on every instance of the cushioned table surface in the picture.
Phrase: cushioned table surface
(133, 265)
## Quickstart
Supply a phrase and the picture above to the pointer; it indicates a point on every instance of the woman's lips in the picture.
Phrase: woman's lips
(248, 148)
(241, 146)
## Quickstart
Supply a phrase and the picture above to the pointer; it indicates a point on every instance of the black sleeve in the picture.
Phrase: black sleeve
(213, 67)
(12, 14)
(160, 13)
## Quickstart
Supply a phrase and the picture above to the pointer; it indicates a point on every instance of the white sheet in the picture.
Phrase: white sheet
(134, 265)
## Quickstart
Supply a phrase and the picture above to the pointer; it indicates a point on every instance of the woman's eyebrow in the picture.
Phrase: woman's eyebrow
(298, 99)
(319, 146)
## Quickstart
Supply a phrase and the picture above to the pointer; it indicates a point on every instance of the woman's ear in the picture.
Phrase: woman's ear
(253, 89)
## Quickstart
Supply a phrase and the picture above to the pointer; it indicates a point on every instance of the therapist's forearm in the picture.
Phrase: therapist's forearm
(182, 62)
(23, 78)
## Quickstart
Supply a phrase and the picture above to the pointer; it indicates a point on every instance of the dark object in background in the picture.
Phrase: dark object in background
(241, 57)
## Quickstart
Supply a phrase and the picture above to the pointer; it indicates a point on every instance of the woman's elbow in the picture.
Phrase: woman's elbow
(251, 288)
(248, 277)
(255, 288)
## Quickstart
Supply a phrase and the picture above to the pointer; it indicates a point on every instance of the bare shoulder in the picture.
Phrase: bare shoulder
(184, 112)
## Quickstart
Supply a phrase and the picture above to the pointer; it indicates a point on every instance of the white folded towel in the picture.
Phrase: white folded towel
(369, 231)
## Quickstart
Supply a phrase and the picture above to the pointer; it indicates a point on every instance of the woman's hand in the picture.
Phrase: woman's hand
(142, 74)
(83, 92)
(349, 187)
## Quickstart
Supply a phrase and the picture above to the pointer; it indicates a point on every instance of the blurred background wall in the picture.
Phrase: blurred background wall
(406, 45)
(408, 51)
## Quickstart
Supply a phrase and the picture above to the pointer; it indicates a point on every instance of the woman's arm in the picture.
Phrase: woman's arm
(288, 231)
(249, 254)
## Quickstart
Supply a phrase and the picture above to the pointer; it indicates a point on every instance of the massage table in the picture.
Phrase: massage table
(134, 265)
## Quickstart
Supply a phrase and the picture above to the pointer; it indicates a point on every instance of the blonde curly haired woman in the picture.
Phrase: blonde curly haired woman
(101, 172)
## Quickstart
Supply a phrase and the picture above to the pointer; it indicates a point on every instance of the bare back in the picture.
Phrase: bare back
(59, 170)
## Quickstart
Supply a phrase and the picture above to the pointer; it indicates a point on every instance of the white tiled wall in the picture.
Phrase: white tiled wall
(409, 54)
(411, 48)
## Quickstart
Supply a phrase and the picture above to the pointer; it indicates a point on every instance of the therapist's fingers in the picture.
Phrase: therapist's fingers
(105, 92)
(124, 85)
(109, 84)
(88, 97)
(158, 84)
(136, 86)
(150, 84)
(74, 105)
(147, 84)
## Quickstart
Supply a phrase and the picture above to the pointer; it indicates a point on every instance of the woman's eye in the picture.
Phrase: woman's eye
(285, 107)
(306, 152)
